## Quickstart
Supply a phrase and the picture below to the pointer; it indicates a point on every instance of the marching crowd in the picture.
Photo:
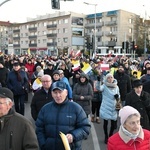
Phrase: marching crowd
(61, 90)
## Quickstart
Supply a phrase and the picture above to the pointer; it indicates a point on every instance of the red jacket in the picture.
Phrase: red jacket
(142, 142)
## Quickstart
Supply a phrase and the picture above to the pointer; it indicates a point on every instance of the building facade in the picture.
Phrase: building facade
(51, 34)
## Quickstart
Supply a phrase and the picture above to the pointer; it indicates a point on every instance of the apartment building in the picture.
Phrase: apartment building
(5, 37)
(112, 28)
(52, 33)
(49, 34)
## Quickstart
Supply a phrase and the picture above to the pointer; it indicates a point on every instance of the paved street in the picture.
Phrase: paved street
(95, 140)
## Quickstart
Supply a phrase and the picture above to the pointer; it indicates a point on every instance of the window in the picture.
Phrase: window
(65, 20)
(21, 42)
(21, 34)
(38, 41)
(26, 34)
(45, 24)
(59, 40)
(65, 40)
(130, 30)
(26, 42)
(59, 31)
(59, 21)
(44, 40)
(44, 32)
(65, 30)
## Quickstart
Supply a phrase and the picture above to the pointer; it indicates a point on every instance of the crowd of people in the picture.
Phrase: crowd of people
(62, 90)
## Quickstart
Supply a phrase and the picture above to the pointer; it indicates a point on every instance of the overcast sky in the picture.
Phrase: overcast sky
(20, 10)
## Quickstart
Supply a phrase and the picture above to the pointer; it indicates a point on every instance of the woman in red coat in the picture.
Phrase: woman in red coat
(130, 136)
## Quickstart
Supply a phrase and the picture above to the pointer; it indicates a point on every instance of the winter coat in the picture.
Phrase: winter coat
(17, 133)
(64, 79)
(108, 105)
(3, 76)
(39, 99)
(124, 84)
(142, 104)
(83, 89)
(120, 141)
(17, 87)
(67, 117)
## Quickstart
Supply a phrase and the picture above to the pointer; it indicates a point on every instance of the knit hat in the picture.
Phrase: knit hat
(56, 72)
(40, 74)
(108, 75)
(125, 112)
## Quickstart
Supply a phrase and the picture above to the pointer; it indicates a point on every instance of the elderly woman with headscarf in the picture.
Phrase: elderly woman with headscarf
(108, 110)
(131, 136)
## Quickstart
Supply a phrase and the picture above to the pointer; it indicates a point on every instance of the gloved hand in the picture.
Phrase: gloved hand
(98, 78)
(116, 96)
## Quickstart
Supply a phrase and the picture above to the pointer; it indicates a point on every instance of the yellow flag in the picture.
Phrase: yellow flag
(29, 53)
(65, 141)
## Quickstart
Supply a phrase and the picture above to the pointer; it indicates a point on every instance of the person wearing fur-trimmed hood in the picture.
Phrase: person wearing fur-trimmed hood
(108, 106)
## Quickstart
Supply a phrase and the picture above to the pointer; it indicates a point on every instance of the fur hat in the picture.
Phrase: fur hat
(125, 112)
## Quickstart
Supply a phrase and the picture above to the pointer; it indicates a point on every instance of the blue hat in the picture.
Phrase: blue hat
(59, 85)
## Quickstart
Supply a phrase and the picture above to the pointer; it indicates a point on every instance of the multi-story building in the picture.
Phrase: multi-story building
(49, 34)
(53, 33)
(112, 28)
(5, 36)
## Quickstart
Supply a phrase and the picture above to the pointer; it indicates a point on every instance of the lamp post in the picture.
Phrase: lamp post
(94, 26)
(4, 2)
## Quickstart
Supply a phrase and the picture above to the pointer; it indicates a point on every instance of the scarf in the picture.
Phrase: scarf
(111, 85)
(129, 134)
(18, 75)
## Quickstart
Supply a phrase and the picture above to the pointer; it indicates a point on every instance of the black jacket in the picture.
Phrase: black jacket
(142, 104)
(39, 99)
(3, 76)
(124, 84)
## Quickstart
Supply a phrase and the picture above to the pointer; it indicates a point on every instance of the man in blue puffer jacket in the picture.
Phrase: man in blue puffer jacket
(61, 115)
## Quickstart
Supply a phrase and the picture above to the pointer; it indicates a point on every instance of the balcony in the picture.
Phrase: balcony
(51, 26)
(16, 38)
(16, 45)
(52, 35)
(111, 43)
(33, 45)
(111, 23)
(52, 44)
(110, 33)
(32, 36)
(32, 29)
(16, 30)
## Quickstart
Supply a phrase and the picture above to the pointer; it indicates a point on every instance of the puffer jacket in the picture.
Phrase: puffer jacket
(17, 133)
(108, 105)
(120, 141)
(67, 117)
(83, 89)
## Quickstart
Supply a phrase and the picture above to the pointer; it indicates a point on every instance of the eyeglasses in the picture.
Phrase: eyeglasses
(1, 103)
(46, 81)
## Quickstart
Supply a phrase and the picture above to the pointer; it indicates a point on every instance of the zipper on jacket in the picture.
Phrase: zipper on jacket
(10, 142)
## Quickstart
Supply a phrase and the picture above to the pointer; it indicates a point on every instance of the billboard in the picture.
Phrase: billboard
(77, 31)
(77, 21)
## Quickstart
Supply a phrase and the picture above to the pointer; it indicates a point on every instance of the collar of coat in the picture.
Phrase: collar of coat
(130, 141)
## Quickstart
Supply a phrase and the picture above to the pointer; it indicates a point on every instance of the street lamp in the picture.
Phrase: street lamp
(4, 2)
(94, 26)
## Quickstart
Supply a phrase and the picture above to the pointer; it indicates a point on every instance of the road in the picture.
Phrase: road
(95, 140)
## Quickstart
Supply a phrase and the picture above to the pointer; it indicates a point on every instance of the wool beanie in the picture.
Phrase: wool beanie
(108, 75)
(125, 112)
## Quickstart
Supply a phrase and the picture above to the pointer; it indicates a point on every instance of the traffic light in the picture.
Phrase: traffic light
(125, 45)
(55, 4)
(91, 45)
(132, 46)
